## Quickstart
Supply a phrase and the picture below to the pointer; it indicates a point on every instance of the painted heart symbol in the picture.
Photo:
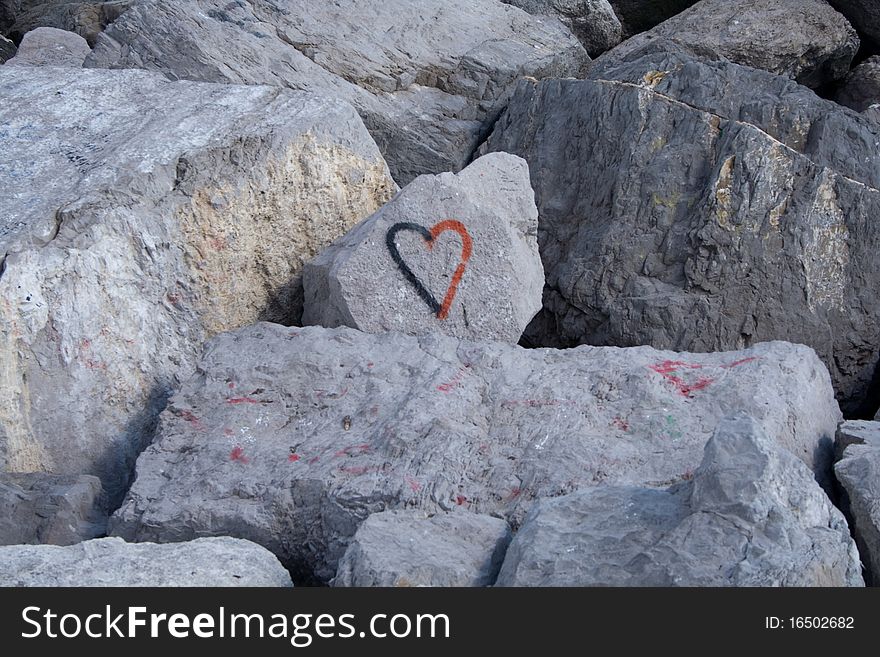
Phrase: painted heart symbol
(430, 237)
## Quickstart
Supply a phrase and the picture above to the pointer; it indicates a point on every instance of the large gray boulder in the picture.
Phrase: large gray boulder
(428, 77)
(291, 437)
(411, 548)
(751, 516)
(113, 562)
(805, 40)
(453, 254)
(85, 17)
(7, 49)
(861, 88)
(593, 22)
(46, 508)
(864, 15)
(139, 217)
(858, 473)
(716, 206)
(48, 46)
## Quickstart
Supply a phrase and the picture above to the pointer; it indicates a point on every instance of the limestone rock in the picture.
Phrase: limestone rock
(861, 88)
(410, 548)
(453, 254)
(7, 49)
(128, 243)
(593, 22)
(428, 77)
(805, 40)
(714, 207)
(113, 562)
(45, 508)
(864, 15)
(858, 473)
(291, 437)
(751, 516)
(48, 46)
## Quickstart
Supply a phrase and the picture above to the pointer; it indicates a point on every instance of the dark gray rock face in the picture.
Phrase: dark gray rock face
(861, 88)
(640, 15)
(88, 18)
(751, 516)
(864, 15)
(410, 548)
(593, 22)
(428, 77)
(220, 561)
(690, 203)
(805, 40)
(7, 49)
(48, 46)
(858, 472)
(291, 437)
(45, 508)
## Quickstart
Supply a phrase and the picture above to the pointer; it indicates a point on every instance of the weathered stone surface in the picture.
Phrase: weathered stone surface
(864, 15)
(7, 49)
(113, 562)
(640, 15)
(129, 242)
(714, 207)
(861, 88)
(593, 22)
(291, 437)
(856, 432)
(85, 17)
(48, 46)
(872, 113)
(428, 77)
(752, 516)
(805, 40)
(45, 508)
(410, 548)
(858, 473)
(453, 254)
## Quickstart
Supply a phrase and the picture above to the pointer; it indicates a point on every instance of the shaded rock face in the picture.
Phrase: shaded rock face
(861, 88)
(409, 548)
(858, 473)
(640, 15)
(291, 437)
(428, 77)
(695, 204)
(45, 508)
(805, 40)
(113, 562)
(128, 244)
(48, 46)
(751, 516)
(593, 22)
(452, 254)
(864, 15)
(7, 49)
(86, 18)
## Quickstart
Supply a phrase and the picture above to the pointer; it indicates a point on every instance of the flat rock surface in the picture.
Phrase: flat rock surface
(410, 548)
(451, 254)
(291, 437)
(752, 515)
(113, 562)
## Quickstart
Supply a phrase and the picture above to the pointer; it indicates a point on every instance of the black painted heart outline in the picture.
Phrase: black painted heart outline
(422, 291)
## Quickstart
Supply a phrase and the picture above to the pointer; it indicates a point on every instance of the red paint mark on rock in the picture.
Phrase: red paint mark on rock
(514, 493)
(190, 417)
(228, 432)
(452, 383)
(293, 458)
(413, 484)
(620, 423)
(314, 460)
(237, 454)
(231, 385)
(370, 364)
(461, 500)
(352, 451)
(742, 361)
(242, 400)
(667, 370)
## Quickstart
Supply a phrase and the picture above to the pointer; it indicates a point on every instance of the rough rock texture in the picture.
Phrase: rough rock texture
(700, 205)
(752, 516)
(872, 113)
(593, 22)
(87, 18)
(291, 437)
(805, 40)
(858, 473)
(7, 49)
(861, 88)
(46, 508)
(48, 46)
(128, 243)
(864, 15)
(113, 562)
(410, 548)
(453, 254)
(641, 15)
(428, 77)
